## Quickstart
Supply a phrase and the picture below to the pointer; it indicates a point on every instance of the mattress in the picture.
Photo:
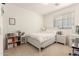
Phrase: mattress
(42, 36)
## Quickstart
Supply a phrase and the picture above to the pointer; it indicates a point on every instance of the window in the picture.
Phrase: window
(64, 21)
(58, 22)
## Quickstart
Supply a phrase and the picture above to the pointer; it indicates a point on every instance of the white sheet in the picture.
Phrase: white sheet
(43, 36)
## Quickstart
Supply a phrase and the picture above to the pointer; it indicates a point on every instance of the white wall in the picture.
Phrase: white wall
(49, 18)
(26, 20)
(1, 33)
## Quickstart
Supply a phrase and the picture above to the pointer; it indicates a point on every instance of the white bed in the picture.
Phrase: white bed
(41, 39)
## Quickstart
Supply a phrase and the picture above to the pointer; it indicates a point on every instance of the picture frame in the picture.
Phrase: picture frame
(12, 21)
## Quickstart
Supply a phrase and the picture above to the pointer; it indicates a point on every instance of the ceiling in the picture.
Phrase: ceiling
(42, 8)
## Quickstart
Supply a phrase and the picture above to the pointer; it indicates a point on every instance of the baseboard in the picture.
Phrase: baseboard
(60, 43)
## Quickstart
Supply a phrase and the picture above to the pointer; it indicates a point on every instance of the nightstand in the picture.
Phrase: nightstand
(61, 39)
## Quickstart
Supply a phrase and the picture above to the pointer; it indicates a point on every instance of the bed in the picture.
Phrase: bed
(41, 39)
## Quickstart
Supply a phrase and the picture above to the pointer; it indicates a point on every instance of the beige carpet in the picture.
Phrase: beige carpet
(29, 50)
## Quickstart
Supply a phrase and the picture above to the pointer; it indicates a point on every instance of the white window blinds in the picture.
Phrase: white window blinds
(64, 21)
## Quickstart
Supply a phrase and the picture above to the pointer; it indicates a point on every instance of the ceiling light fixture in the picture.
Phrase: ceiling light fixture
(45, 3)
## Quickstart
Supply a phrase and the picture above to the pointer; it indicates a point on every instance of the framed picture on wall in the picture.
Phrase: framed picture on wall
(11, 21)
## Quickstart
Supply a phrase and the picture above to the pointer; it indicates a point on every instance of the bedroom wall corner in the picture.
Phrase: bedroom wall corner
(1, 32)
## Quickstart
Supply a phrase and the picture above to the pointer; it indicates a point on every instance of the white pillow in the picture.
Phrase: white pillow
(51, 30)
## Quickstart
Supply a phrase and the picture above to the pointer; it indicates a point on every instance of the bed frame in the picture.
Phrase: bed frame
(39, 44)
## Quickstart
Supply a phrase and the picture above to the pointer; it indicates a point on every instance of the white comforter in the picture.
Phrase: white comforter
(43, 36)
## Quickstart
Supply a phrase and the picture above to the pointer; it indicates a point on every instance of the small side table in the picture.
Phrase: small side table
(73, 51)
(74, 47)
(24, 39)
